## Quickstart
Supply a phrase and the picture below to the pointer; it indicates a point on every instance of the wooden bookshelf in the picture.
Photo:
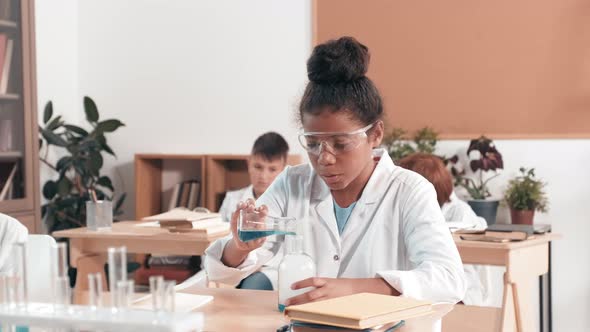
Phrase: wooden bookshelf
(18, 107)
(224, 173)
(156, 175)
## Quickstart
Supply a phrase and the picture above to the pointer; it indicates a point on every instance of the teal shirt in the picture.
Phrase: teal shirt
(342, 215)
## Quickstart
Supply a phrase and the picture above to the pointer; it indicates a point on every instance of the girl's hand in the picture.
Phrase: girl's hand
(236, 250)
(327, 288)
(248, 207)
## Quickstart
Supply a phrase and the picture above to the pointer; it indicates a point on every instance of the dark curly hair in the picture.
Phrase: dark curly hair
(336, 70)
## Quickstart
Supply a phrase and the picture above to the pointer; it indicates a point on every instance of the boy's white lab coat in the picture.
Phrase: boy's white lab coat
(396, 231)
(231, 200)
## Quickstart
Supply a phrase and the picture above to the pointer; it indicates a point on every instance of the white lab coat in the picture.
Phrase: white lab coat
(479, 278)
(11, 232)
(231, 200)
(396, 231)
(458, 210)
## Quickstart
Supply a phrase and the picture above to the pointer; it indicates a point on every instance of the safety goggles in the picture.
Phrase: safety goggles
(336, 142)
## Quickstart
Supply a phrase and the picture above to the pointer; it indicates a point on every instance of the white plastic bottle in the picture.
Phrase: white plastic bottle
(295, 266)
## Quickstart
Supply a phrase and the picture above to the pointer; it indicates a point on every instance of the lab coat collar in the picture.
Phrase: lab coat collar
(373, 192)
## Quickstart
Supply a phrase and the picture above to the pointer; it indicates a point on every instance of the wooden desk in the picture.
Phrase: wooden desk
(88, 248)
(525, 261)
(248, 310)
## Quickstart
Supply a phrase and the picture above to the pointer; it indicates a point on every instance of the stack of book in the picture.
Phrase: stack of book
(186, 194)
(181, 220)
(504, 233)
(357, 312)
(6, 50)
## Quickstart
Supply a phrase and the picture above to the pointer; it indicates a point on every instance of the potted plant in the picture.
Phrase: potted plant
(78, 170)
(398, 144)
(525, 195)
(483, 158)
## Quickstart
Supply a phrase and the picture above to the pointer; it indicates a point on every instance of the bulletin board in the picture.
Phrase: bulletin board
(507, 69)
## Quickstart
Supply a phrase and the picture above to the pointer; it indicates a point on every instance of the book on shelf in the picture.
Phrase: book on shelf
(359, 311)
(3, 44)
(194, 195)
(6, 10)
(174, 197)
(7, 175)
(6, 67)
(185, 194)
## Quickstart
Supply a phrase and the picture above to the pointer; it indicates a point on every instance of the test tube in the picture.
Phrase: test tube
(95, 290)
(156, 290)
(124, 292)
(169, 296)
(59, 276)
(4, 301)
(59, 256)
(117, 259)
(17, 279)
(63, 292)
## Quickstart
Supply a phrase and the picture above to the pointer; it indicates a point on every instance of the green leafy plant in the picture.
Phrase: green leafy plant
(400, 145)
(526, 193)
(484, 157)
(78, 171)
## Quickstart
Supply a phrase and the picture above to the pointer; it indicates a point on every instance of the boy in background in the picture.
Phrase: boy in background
(267, 159)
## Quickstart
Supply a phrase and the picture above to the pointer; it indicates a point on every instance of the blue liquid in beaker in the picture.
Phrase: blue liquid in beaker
(249, 235)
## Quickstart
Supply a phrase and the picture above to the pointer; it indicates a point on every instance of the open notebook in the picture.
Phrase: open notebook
(359, 311)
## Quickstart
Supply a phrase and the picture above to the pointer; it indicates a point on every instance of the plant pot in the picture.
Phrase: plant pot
(522, 217)
(486, 209)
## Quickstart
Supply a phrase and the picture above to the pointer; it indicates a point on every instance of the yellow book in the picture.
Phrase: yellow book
(359, 311)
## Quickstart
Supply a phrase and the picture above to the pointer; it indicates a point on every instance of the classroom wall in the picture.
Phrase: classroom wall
(208, 77)
(184, 76)
(57, 66)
